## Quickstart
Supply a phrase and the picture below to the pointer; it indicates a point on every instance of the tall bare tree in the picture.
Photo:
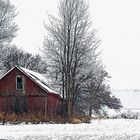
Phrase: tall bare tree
(12, 56)
(70, 47)
(8, 27)
(96, 93)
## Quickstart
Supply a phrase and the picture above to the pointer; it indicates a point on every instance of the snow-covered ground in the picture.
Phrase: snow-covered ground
(115, 129)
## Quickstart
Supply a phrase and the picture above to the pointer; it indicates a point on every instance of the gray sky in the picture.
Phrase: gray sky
(118, 24)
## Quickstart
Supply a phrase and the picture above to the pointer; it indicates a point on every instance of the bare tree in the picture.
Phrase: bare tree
(8, 27)
(12, 56)
(96, 93)
(69, 46)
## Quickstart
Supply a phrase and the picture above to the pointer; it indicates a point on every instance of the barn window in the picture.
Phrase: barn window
(19, 82)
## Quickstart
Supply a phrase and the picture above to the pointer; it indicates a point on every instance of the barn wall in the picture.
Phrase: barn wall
(36, 104)
(1, 104)
(53, 103)
(8, 84)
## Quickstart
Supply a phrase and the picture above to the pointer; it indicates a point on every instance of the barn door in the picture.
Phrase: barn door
(20, 104)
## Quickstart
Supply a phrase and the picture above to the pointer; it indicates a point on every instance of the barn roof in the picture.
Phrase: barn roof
(38, 78)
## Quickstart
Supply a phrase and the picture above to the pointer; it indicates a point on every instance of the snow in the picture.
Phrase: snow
(103, 129)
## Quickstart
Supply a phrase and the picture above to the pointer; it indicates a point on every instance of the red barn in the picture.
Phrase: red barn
(22, 90)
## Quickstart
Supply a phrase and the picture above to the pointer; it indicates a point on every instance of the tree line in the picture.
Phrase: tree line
(70, 57)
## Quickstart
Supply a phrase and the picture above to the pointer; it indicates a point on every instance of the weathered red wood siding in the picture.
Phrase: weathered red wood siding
(37, 98)
(53, 105)
(8, 85)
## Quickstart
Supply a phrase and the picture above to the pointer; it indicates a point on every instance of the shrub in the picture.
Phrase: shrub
(128, 115)
(38, 117)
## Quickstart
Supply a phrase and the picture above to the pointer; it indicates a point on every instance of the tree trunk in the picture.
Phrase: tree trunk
(90, 110)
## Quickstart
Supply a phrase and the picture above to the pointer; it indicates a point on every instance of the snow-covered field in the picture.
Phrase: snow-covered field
(115, 129)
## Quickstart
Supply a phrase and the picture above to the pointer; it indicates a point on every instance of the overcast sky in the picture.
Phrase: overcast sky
(118, 24)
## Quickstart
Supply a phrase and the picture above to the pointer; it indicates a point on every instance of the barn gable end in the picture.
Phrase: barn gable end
(20, 91)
